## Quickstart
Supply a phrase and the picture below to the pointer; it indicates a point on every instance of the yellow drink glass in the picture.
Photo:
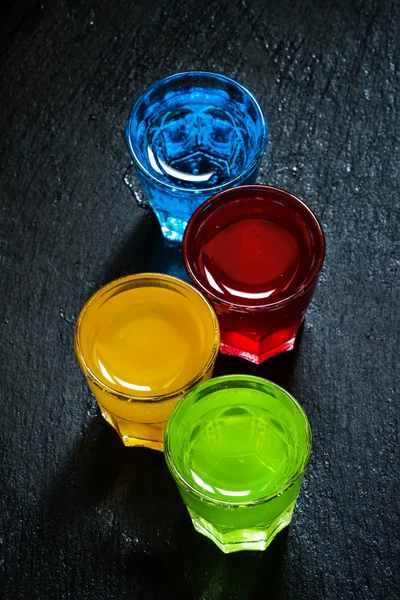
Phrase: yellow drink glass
(143, 341)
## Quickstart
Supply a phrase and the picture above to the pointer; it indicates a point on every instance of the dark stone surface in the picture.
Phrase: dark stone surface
(82, 517)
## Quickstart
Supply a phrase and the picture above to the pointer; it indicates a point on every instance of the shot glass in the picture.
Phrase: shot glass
(143, 341)
(190, 136)
(237, 447)
(256, 253)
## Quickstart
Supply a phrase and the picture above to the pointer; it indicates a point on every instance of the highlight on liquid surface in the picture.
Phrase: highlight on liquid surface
(147, 341)
(240, 452)
(199, 138)
(254, 260)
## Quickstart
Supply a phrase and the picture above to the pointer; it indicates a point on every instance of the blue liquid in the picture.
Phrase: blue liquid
(197, 146)
(191, 143)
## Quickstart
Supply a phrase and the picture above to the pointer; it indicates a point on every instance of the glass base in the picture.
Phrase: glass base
(252, 538)
(172, 228)
(147, 435)
(251, 350)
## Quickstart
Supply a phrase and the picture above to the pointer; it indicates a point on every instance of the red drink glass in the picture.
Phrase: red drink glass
(255, 252)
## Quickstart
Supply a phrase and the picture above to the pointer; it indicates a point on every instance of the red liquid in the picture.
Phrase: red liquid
(255, 252)
(254, 261)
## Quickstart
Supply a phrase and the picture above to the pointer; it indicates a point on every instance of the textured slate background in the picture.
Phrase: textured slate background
(82, 517)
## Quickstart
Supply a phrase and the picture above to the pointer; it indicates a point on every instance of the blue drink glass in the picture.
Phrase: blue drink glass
(190, 136)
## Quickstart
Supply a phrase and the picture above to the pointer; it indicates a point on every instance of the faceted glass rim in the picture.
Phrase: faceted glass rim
(187, 75)
(178, 283)
(259, 383)
(219, 200)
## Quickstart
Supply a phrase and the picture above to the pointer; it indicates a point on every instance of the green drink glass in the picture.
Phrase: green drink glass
(237, 447)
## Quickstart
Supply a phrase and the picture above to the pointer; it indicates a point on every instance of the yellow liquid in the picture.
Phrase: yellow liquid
(146, 342)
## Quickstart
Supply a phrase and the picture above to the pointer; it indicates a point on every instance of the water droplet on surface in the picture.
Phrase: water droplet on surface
(70, 319)
(132, 183)
(140, 198)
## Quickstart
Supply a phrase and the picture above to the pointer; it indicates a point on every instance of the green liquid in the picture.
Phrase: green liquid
(241, 444)
(239, 453)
